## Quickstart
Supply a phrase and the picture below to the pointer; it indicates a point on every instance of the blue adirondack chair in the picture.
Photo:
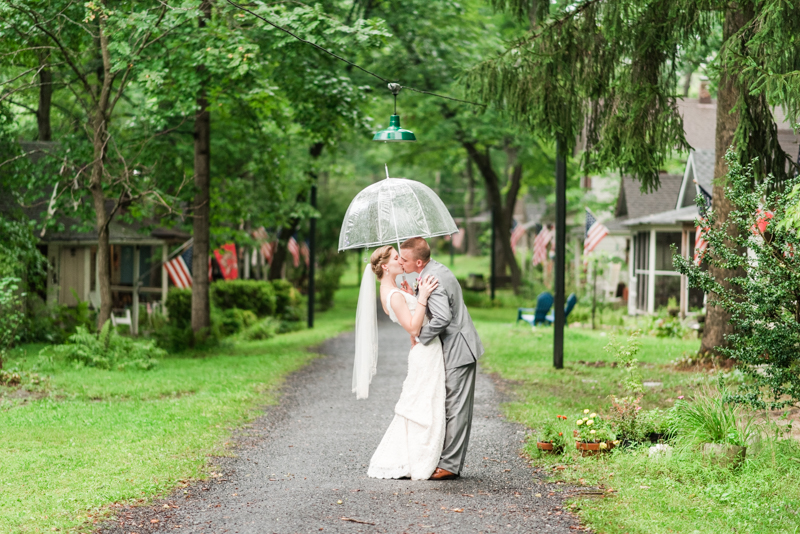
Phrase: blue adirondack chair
(572, 300)
(536, 315)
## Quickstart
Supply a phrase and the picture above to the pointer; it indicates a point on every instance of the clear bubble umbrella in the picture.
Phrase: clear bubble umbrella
(391, 211)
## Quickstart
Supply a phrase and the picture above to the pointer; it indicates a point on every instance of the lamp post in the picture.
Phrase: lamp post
(561, 235)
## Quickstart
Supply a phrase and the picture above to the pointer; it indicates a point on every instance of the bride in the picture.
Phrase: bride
(413, 442)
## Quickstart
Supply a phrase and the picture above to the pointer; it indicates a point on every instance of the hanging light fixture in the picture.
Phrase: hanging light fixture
(394, 133)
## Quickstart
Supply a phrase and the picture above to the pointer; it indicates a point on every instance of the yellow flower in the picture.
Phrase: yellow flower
(579, 422)
(616, 442)
(586, 411)
(593, 415)
(590, 422)
(603, 445)
(592, 431)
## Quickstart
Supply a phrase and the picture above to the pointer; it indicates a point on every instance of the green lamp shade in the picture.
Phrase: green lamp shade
(394, 133)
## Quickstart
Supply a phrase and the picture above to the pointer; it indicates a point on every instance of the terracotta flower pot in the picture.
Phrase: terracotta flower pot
(591, 449)
(725, 455)
(547, 446)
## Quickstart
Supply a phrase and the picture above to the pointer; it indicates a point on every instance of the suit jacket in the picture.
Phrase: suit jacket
(450, 320)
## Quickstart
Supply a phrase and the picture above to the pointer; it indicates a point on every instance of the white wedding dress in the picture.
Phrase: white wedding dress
(413, 443)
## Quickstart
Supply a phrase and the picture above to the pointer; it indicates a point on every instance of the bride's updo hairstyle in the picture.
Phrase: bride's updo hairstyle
(379, 258)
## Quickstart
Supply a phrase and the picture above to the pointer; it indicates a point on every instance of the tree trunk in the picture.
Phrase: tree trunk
(281, 251)
(99, 126)
(501, 218)
(472, 245)
(201, 309)
(717, 324)
(45, 98)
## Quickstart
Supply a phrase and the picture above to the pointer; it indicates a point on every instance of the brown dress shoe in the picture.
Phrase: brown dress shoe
(442, 474)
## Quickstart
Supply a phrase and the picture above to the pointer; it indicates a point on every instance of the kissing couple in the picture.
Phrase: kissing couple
(428, 437)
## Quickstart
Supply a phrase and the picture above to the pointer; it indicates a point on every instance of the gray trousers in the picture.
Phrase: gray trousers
(460, 396)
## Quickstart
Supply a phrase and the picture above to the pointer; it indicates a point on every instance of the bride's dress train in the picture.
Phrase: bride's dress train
(413, 443)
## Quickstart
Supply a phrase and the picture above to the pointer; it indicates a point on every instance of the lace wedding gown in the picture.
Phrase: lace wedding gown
(413, 443)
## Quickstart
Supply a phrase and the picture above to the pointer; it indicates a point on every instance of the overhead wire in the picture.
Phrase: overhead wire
(340, 58)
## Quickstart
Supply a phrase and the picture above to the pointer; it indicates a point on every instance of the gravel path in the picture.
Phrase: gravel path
(302, 467)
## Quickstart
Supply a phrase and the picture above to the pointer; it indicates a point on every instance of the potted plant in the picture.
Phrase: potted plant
(594, 434)
(552, 436)
(721, 429)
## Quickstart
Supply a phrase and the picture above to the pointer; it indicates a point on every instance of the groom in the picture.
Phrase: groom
(450, 321)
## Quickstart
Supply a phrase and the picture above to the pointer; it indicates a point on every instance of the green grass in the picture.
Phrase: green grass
(682, 494)
(99, 437)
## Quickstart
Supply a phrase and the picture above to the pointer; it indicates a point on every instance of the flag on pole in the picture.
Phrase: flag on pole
(595, 232)
(700, 243)
(305, 252)
(265, 246)
(294, 250)
(179, 271)
(226, 259)
(516, 235)
(458, 238)
(540, 244)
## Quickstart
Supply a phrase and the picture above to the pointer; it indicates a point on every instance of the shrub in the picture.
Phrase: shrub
(11, 315)
(264, 329)
(286, 297)
(234, 320)
(179, 307)
(109, 350)
(254, 295)
(327, 283)
(759, 242)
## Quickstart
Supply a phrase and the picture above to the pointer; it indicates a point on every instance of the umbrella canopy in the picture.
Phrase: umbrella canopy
(392, 211)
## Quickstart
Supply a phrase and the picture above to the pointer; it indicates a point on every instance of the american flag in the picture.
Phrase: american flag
(762, 221)
(179, 270)
(540, 244)
(700, 243)
(595, 232)
(516, 235)
(266, 247)
(294, 250)
(305, 252)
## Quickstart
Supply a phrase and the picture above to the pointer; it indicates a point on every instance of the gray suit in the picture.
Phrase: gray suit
(449, 320)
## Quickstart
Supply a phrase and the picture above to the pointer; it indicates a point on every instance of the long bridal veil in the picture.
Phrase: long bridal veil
(366, 360)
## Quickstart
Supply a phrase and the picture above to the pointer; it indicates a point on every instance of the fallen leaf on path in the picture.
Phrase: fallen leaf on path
(459, 510)
(467, 495)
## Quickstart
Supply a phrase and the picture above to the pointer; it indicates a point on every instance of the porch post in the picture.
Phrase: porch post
(164, 279)
(135, 311)
(632, 285)
(684, 285)
(87, 272)
(651, 278)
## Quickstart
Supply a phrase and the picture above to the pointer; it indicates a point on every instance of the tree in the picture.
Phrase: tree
(764, 301)
(99, 51)
(608, 70)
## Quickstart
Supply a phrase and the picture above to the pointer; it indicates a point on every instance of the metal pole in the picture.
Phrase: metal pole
(561, 235)
(491, 274)
(312, 256)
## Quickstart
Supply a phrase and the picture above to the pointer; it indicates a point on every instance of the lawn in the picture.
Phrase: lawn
(91, 437)
(642, 495)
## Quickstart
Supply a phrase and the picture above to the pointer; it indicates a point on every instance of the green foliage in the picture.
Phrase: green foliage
(254, 295)
(593, 70)
(233, 320)
(709, 418)
(593, 428)
(286, 297)
(558, 432)
(764, 300)
(54, 324)
(179, 307)
(11, 314)
(264, 329)
(626, 355)
(327, 283)
(109, 350)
